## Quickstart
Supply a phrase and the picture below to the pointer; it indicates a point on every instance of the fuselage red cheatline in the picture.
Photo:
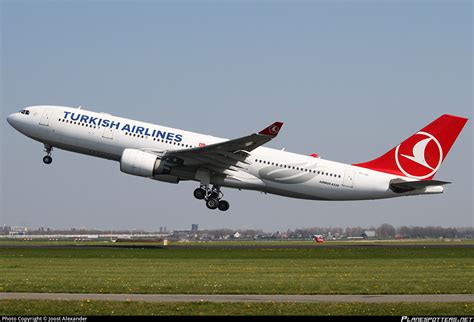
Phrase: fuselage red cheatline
(171, 155)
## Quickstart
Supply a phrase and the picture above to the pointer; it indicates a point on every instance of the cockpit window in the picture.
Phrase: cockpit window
(26, 112)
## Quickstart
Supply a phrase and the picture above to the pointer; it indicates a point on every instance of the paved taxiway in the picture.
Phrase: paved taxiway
(260, 246)
(241, 298)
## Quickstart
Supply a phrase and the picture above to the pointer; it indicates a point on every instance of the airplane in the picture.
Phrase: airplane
(172, 155)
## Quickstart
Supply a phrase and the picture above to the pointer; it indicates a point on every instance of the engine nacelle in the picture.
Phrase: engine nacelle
(138, 163)
(144, 164)
(167, 178)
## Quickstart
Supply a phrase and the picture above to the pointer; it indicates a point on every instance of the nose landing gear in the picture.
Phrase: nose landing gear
(47, 158)
(212, 197)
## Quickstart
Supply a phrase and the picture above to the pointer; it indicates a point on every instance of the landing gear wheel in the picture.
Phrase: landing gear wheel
(212, 203)
(47, 159)
(48, 149)
(199, 193)
(223, 205)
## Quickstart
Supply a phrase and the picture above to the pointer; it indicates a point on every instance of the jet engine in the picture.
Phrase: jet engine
(144, 164)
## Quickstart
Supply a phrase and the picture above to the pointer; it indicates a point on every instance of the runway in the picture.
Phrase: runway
(234, 246)
(395, 298)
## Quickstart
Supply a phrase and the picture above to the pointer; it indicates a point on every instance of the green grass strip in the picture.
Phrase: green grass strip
(86, 307)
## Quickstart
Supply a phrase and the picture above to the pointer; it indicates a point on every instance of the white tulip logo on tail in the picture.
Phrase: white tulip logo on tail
(419, 153)
(420, 156)
(274, 129)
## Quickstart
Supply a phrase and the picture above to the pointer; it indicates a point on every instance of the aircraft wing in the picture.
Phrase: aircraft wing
(243, 144)
(225, 155)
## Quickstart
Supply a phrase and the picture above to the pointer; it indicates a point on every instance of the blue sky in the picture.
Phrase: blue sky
(349, 79)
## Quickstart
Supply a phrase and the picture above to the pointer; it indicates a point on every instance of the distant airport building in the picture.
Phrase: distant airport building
(5, 230)
(14, 231)
(194, 227)
(368, 234)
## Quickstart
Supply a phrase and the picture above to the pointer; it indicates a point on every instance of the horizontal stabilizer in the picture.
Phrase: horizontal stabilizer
(405, 186)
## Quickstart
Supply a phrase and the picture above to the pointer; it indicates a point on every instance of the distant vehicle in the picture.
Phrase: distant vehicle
(172, 155)
(318, 238)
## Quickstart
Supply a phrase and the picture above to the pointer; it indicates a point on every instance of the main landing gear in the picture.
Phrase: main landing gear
(48, 159)
(213, 197)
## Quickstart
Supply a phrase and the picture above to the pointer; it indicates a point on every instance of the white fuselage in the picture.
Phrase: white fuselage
(268, 170)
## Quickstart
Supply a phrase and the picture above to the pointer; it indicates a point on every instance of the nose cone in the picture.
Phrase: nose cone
(19, 122)
(15, 121)
(10, 119)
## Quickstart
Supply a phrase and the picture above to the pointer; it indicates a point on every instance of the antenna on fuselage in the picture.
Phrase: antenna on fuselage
(79, 107)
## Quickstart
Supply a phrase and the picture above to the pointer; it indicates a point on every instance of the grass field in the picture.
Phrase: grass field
(33, 308)
(318, 270)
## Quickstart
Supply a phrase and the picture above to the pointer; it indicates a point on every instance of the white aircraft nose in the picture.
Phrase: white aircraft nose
(11, 119)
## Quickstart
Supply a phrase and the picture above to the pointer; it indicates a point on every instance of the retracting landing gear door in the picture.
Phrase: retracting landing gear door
(348, 178)
(45, 118)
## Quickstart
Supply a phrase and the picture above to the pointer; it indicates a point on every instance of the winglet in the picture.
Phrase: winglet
(272, 130)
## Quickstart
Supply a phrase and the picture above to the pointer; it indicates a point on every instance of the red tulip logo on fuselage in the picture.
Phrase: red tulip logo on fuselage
(420, 156)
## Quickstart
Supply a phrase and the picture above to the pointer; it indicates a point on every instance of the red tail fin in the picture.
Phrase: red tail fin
(421, 155)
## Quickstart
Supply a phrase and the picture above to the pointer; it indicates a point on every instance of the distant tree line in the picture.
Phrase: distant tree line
(384, 231)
